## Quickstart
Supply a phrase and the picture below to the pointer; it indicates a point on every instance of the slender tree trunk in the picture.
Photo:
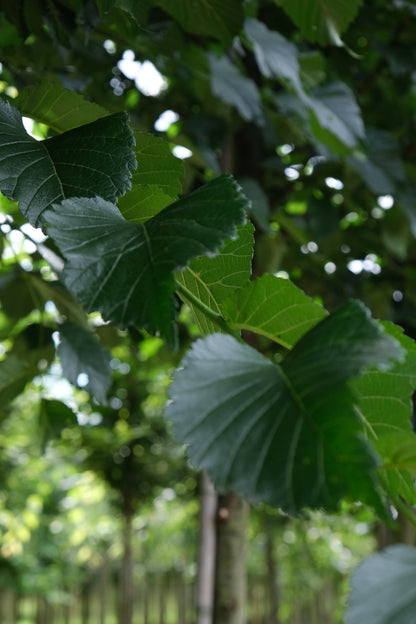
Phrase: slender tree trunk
(272, 586)
(85, 602)
(206, 552)
(230, 581)
(126, 586)
(103, 591)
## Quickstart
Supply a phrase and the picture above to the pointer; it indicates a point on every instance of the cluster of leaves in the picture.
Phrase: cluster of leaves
(312, 407)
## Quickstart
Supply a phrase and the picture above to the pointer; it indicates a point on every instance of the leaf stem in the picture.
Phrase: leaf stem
(213, 316)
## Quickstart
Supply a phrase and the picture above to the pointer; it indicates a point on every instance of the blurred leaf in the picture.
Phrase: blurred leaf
(386, 408)
(276, 56)
(54, 416)
(211, 280)
(273, 307)
(320, 21)
(288, 434)
(14, 375)
(259, 209)
(383, 590)
(95, 159)
(335, 117)
(59, 108)
(230, 86)
(124, 269)
(214, 18)
(80, 353)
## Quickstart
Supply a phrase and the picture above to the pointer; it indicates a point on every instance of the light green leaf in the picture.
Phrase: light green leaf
(320, 21)
(143, 203)
(230, 86)
(287, 434)
(273, 307)
(124, 269)
(81, 354)
(276, 56)
(95, 159)
(214, 18)
(335, 117)
(58, 108)
(211, 280)
(383, 589)
(385, 405)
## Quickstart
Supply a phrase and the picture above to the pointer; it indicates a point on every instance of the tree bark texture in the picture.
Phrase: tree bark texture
(231, 581)
(206, 552)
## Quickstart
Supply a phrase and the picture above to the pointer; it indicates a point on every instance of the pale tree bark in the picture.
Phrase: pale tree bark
(126, 584)
(231, 574)
(206, 552)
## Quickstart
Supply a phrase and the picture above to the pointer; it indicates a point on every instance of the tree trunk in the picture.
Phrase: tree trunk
(230, 581)
(206, 552)
(272, 586)
(126, 585)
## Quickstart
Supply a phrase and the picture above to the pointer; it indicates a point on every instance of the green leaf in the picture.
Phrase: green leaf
(320, 21)
(95, 159)
(273, 307)
(54, 416)
(14, 375)
(276, 56)
(124, 269)
(386, 407)
(288, 434)
(383, 589)
(58, 108)
(211, 280)
(81, 354)
(230, 86)
(335, 117)
(143, 203)
(214, 18)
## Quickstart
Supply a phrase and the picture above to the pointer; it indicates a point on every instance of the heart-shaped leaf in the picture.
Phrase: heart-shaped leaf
(94, 159)
(284, 434)
(124, 269)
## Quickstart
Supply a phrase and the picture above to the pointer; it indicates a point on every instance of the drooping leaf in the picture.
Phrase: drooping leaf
(383, 589)
(335, 117)
(54, 416)
(14, 375)
(95, 159)
(211, 280)
(273, 307)
(320, 21)
(214, 18)
(230, 86)
(84, 361)
(385, 405)
(124, 269)
(276, 56)
(60, 109)
(283, 434)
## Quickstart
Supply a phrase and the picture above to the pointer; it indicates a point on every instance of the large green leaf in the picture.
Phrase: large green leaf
(273, 307)
(94, 159)
(81, 354)
(124, 269)
(230, 86)
(211, 280)
(215, 18)
(14, 375)
(59, 108)
(320, 21)
(386, 407)
(54, 416)
(383, 589)
(284, 434)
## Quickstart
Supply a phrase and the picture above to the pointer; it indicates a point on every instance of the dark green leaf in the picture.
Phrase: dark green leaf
(383, 589)
(81, 354)
(215, 18)
(54, 416)
(14, 375)
(284, 434)
(230, 86)
(124, 269)
(320, 21)
(95, 159)
(58, 108)
(273, 307)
